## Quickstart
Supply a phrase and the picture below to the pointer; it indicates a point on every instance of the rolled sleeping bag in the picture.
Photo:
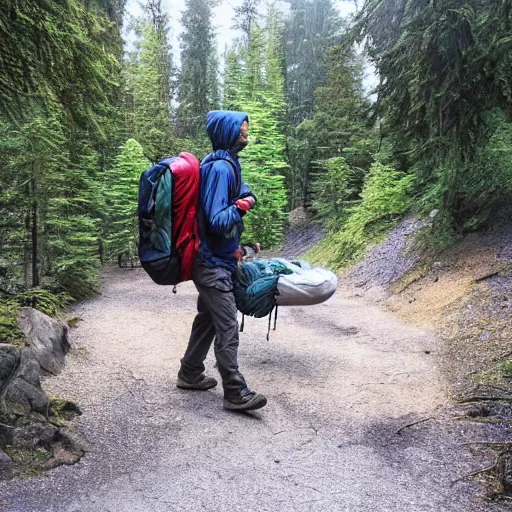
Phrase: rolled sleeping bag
(304, 286)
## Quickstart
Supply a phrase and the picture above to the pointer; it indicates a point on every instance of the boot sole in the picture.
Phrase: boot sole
(184, 385)
(257, 402)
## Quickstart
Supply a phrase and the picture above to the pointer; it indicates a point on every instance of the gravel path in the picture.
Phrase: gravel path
(342, 379)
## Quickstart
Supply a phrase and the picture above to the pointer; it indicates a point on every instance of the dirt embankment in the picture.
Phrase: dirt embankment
(464, 294)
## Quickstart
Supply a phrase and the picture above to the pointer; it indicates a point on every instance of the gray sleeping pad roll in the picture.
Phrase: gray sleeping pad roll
(306, 286)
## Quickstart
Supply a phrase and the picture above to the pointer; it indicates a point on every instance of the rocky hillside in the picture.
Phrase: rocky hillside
(464, 294)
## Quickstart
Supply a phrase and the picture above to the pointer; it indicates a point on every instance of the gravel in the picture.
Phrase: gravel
(345, 382)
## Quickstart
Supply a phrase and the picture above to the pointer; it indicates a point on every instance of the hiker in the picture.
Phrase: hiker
(223, 201)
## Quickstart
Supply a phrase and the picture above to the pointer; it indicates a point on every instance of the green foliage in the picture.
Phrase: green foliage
(233, 75)
(255, 82)
(60, 75)
(335, 191)
(444, 66)
(386, 196)
(147, 77)
(51, 50)
(43, 300)
(198, 83)
(476, 190)
(312, 28)
(246, 15)
(337, 128)
(50, 202)
(262, 163)
(60, 410)
(121, 189)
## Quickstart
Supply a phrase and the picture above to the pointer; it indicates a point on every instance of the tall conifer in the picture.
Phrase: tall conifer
(198, 82)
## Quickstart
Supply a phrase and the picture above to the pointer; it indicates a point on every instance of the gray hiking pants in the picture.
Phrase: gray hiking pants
(216, 318)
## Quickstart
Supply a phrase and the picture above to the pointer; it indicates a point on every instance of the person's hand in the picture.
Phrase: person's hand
(239, 254)
(246, 203)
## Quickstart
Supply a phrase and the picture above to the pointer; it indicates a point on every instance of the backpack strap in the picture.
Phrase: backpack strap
(238, 181)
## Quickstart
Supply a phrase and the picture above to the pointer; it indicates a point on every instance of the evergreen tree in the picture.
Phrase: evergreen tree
(245, 16)
(148, 75)
(233, 75)
(261, 93)
(198, 84)
(121, 189)
(60, 77)
(444, 67)
(338, 127)
(313, 27)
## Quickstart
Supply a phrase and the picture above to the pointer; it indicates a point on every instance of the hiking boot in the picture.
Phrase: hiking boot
(246, 401)
(202, 383)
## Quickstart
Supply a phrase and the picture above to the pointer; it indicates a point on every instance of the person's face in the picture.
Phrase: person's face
(244, 132)
(243, 138)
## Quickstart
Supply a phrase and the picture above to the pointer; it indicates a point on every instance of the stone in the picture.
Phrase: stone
(6, 465)
(9, 362)
(34, 435)
(505, 470)
(25, 394)
(4, 458)
(47, 337)
(73, 440)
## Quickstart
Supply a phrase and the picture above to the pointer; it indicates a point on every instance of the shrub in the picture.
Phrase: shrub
(385, 198)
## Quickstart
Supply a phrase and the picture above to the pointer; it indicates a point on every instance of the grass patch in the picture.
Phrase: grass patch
(73, 322)
(60, 410)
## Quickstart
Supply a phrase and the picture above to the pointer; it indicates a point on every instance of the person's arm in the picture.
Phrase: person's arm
(245, 191)
(223, 218)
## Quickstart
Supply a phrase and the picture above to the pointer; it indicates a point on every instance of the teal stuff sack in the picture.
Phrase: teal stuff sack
(256, 286)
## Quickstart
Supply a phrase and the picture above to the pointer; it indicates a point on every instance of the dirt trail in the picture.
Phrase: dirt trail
(342, 379)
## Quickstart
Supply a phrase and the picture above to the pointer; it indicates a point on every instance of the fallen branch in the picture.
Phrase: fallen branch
(487, 276)
(492, 419)
(478, 472)
(484, 398)
(495, 387)
(412, 424)
(6, 426)
(488, 443)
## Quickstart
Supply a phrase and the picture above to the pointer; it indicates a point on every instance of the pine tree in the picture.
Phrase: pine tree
(59, 51)
(148, 85)
(312, 28)
(444, 67)
(246, 15)
(121, 188)
(233, 75)
(60, 79)
(258, 69)
(198, 84)
(338, 127)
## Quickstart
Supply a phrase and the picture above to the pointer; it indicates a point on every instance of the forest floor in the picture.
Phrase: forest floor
(357, 418)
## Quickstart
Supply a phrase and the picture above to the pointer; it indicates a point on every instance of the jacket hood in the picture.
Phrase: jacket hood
(223, 127)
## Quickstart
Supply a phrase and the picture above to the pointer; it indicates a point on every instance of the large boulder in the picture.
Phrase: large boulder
(32, 428)
(9, 362)
(21, 368)
(47, 337)
(20, 382)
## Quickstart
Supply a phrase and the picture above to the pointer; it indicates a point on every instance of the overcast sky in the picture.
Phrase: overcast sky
(223, 16)
(223, 19)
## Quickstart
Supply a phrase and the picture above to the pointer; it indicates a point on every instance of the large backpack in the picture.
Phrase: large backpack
(167, 210)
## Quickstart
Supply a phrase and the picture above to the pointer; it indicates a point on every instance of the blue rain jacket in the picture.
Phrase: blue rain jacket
(219, 220)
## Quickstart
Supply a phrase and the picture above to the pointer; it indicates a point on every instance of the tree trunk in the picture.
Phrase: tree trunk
(35, 271)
